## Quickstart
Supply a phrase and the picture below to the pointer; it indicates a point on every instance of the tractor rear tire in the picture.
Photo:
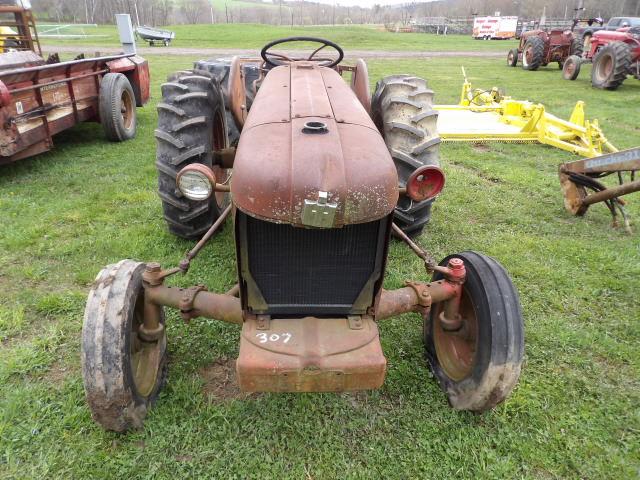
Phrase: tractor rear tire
(220, 69)
(191, 125)
(512, 57)
(122, 373)
(571, 68)
(117, 107)
(402, 109)
(533, 53)
(611, 66)
(479, 365)
(577, 47)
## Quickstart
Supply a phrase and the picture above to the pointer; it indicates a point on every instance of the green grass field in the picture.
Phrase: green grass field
(574, 414)
(255, 36)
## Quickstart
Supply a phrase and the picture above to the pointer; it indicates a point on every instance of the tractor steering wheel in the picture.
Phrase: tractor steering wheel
(276, 59)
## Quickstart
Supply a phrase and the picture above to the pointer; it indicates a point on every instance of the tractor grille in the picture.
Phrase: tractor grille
(314, 271)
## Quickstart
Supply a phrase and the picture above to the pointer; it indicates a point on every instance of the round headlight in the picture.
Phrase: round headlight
(425, 183)
(196, 182)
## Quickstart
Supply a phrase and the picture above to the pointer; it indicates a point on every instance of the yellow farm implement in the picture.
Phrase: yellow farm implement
(488, 116)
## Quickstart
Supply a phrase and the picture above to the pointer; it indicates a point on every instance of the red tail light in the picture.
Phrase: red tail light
(425, 183)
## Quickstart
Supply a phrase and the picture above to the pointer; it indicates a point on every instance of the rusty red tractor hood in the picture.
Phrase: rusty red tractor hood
(620, 35)
(310, 155)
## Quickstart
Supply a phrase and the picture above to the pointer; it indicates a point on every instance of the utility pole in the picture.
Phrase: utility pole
(135, 7)
(579, 9)
(333, 19)
(226, 12)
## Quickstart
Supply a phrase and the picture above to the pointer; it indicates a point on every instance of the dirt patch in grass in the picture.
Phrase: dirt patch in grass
(481, 147)
(358, 399)
(220, 383)
(483, 175)
(59, 371)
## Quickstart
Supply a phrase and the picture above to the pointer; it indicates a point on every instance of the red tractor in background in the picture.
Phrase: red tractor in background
(614, 56)
(538, 48)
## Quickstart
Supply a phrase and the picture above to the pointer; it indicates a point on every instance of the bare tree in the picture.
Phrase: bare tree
(194, 10)
(167, 12)
(162, 9)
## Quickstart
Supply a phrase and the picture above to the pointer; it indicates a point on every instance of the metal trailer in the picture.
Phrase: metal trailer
(36, 102)
(40, 98)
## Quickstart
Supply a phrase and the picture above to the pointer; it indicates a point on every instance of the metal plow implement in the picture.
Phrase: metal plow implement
(581, 187)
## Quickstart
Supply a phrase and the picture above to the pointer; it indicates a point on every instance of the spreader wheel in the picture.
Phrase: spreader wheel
(122, 372)
(533, 53)
(512, 57)
(571, 68)
(117, 107)
(479, 364)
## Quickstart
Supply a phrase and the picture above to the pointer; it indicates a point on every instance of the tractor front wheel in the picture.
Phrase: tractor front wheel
(512, 57)
(533, 53)
(611, 66)
(479, 364)
(571, 68)
(122, 371)
(402, 109)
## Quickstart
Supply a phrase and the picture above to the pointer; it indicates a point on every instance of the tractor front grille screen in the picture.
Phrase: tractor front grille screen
(313, 271)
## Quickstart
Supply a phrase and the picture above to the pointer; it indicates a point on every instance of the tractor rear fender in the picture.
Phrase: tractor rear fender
(237, 95)
(136, 69)
(360, 84)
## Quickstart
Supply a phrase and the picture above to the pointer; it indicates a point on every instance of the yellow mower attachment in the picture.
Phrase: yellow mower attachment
(487, 116)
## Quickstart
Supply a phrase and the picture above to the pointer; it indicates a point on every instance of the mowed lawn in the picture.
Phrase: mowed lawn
(574, 414)
(360, 37)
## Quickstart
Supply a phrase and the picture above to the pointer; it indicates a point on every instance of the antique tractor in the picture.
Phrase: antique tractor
(538, 48)
(321, 177)
(614, 56)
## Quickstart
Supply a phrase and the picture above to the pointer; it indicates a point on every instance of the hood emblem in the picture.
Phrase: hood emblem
(319, 213)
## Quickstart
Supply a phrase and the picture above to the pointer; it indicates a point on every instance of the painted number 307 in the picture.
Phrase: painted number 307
(274, 337)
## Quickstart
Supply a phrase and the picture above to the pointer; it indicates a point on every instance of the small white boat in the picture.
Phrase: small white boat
(155, 35)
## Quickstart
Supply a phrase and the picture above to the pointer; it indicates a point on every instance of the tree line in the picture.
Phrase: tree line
(300, 12)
